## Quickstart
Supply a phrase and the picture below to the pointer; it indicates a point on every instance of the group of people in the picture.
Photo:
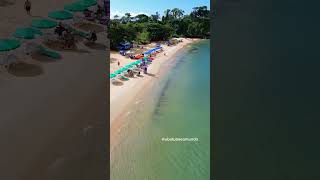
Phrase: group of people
(66, 35)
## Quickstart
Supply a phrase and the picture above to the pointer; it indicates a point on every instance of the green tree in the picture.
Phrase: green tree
(143, 37)
(155, 17)
(177, 13)
(159, 32)
(126, 18)
(142, 18)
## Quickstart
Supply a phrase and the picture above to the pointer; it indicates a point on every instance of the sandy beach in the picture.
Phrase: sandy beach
(124, 98)
(52, 122)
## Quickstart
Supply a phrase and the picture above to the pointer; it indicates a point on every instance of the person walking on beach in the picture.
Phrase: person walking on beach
(27, 6)
(145, 69)
(118, 63)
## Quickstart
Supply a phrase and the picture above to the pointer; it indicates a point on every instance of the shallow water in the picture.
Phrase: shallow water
(179, 107)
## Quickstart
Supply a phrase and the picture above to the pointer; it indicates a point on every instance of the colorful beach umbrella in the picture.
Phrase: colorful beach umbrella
(26, 33)
(75, 7)
(43, 23)
(61, 15)
(9, 44)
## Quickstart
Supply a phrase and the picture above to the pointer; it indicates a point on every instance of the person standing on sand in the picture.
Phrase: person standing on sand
(118, 63)
(27, 6)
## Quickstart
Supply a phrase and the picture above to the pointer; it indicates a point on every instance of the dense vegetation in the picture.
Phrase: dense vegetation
(174, 23)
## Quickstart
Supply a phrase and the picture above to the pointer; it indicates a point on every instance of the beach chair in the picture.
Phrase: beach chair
(8, 60)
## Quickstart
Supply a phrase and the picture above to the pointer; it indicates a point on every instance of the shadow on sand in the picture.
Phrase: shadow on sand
(117, 83)
(58, 46)
(90, 27)
(41, 58)
(22, 69)
(4, 3)
(150, 74)
(96, 46)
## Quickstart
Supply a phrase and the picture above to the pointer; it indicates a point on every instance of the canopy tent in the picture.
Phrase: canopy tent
(9, 44)
(26, 33)
(75, 7)
(60, 15)
(152, 50)
(43, 23)
(124, 45)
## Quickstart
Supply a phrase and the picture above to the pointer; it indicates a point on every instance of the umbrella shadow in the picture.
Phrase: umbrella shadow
(96, 46)
(152, 75)
(4, 3)
(90, 27)
(37, 16)
(58, 46)
(22, 69)
(117, 83)
(113, 60)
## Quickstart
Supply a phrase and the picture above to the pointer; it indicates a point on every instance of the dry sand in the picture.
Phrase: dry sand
(52, 123)
(124, 97)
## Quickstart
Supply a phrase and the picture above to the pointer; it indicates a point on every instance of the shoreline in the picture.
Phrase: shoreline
(121, 101)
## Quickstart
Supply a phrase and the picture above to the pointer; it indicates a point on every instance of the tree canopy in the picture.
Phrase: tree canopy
(174, 23)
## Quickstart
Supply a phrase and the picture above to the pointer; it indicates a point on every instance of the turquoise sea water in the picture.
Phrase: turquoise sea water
(180, 107)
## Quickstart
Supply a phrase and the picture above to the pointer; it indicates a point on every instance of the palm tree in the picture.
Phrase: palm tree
(177, 13)
(155, 17)
(167, 14)
(128, 17)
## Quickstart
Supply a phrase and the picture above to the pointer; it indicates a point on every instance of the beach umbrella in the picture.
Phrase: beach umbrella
(117, 71)
(87, 3)
(123, 69)
(9, 44)
(75, 7)
(61, 15)
(26, 33)
(44, 51)
(128, 66)
(112, 75)
(43, 23)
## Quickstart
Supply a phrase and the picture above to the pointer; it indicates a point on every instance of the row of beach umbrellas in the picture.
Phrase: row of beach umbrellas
(152, 50)
(37, 24)
(125, 68)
